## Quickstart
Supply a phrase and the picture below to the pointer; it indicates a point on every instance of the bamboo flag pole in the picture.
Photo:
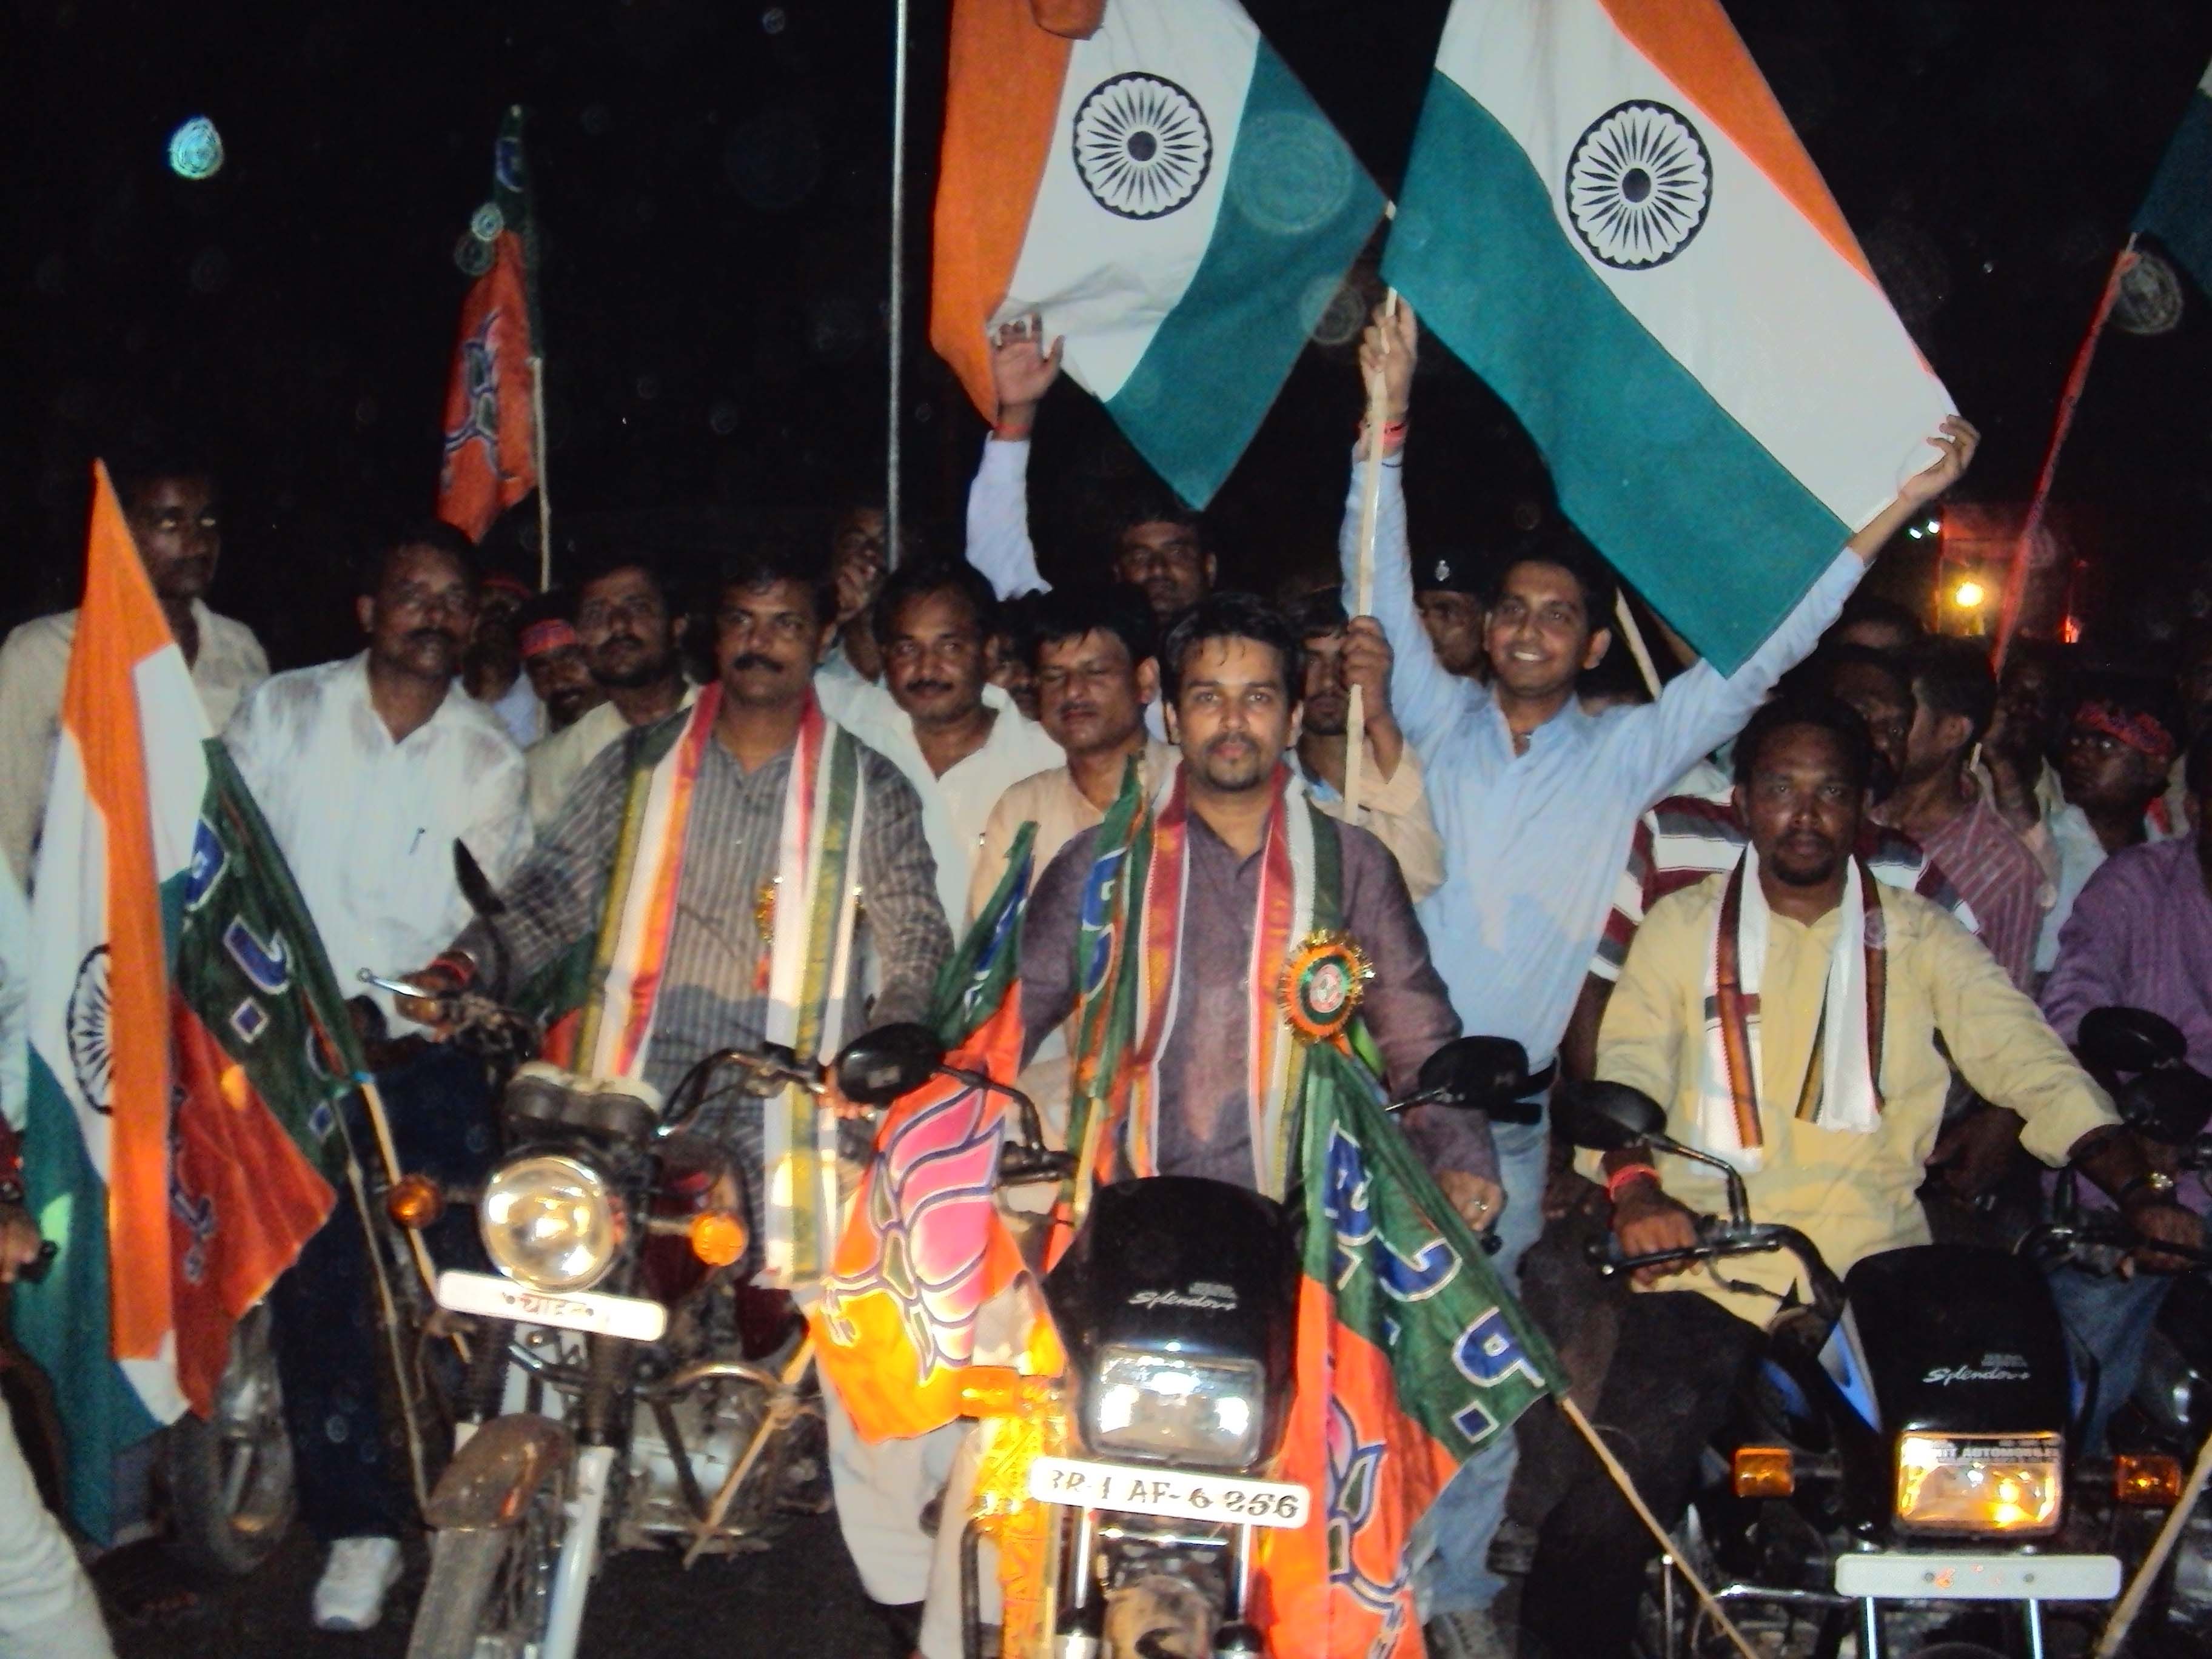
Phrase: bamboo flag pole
(1620, 1479)
(1363, 588)
(538, 443)
(1637, 648)
(2015, 591)
(897, 313)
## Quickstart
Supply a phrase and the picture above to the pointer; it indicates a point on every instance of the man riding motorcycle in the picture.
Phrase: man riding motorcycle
(724, 878)
(1201, 1105)
(1787, 1013)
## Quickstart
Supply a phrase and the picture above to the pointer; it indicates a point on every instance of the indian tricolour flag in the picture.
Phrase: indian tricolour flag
(187, 1041)
(1163, 190)
(1608, 217)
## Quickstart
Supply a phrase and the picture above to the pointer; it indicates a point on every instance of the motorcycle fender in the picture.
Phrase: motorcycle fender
(494, 1475)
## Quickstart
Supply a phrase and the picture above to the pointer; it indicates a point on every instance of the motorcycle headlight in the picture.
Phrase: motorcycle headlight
(1173, 1407)
(2009, 1484)
(551, 1223)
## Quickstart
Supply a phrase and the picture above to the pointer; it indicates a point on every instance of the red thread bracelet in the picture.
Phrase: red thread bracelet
(1628, 1172)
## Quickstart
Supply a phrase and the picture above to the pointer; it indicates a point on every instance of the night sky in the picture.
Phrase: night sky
(712, 189)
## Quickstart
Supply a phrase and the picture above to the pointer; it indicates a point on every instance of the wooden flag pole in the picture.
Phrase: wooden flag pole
(544, 500)
(1637, 648)
(2123, 1616)
(1675, 1563)
(1362, 586)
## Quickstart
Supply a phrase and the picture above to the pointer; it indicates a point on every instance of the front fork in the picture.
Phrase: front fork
(1079, 1621)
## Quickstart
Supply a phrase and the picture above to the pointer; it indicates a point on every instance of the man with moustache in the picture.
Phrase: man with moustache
(559, 668)
(1840, 987)
(630, 631)
(756, 745)
(176, 520)
(959, 739)
(491, 667)
(369, 770)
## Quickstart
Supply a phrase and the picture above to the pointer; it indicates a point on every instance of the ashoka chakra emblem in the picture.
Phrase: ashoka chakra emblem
(1142, 146)
(86, 1023)
(1639, 185)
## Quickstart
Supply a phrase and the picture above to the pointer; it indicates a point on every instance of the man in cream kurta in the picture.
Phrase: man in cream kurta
(1834, 1146)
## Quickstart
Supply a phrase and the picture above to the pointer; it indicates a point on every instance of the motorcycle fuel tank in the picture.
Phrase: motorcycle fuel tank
(1177, 1264)
(1960, 1340)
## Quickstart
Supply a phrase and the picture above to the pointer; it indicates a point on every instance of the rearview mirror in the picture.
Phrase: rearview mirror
(878, 1066)
(2170, 1107)
(1607, 1117)
(2128, 1039)
(1476, 1072)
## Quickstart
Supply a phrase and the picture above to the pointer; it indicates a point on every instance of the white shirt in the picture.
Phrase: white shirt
(556, 762)
(368, 824)
(14, 1001)
(956, 806)
(518, 710)
(33, 666)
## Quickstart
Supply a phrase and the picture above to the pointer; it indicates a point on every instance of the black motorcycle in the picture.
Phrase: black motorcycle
(1900, 1450)
(1175, 1300)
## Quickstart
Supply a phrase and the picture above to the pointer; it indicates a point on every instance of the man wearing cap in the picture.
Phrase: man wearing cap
(560, 669)
(1448, 592)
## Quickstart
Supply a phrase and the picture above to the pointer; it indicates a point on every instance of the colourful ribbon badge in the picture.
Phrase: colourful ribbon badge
(1323, 984)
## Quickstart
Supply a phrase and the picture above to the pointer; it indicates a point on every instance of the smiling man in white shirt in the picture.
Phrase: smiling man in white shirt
(369, 770)
(960, 741)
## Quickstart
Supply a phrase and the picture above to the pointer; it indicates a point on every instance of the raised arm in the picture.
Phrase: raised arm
(1425, 697)
(998, 542)
(1702, 707)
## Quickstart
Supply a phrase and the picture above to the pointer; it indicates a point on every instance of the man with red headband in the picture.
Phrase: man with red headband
(554, 658)
(491, 668)
(2112, 764)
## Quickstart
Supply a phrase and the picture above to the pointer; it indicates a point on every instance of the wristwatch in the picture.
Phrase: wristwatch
(2156, 1183)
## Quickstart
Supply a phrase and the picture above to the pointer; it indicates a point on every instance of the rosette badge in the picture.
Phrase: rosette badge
(1323, 984)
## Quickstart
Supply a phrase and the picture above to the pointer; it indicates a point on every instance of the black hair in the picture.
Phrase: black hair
(1148, 503)
(602, 559)
(1317, 614)
(925, 576)
(2197, 773)
(1069, 612)
(1816, 676)
(433, 533)
(136, 469)
(1952, 677)
(1557, 544)
(1830, 714)
(767, 560)
(1865, 607)
(1231, 616)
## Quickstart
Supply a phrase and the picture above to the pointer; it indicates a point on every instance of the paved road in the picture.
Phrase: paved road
(800, 1600)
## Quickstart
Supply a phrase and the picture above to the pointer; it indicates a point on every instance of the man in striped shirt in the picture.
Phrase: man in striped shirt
(1941, 805)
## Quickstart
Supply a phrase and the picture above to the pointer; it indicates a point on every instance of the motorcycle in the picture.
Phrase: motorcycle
(1901, 1448)
(2157, 1430)
(1176, 1303)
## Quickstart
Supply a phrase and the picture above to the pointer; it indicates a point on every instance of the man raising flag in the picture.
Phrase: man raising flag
(187, 1041)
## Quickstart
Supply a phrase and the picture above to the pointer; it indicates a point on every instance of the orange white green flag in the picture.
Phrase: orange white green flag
(188, 1041)
(1607, 217)
(1150, 177)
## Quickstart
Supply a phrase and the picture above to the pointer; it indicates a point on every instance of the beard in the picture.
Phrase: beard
(650, 668)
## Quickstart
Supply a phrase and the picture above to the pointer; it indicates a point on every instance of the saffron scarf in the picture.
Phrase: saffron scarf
(1841, 1088)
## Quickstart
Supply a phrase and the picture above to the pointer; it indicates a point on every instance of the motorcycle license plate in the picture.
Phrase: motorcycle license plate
(1178, 1492)
(1901, 1576)
(635, 1317)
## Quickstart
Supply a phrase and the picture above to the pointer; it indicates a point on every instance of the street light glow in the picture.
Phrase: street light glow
(1968, 594)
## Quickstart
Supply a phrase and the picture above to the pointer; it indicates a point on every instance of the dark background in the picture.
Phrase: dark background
(712, 189)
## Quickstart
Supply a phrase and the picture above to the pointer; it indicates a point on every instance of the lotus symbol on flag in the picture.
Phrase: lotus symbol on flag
(1355, 1473)
(1142, 146)
(1640, 184)
(929, 1207)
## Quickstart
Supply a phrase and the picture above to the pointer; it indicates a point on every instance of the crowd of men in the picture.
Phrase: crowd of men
(1919, 878)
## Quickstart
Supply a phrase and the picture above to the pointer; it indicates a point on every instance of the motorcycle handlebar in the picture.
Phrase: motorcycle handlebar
(1718, 1240)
